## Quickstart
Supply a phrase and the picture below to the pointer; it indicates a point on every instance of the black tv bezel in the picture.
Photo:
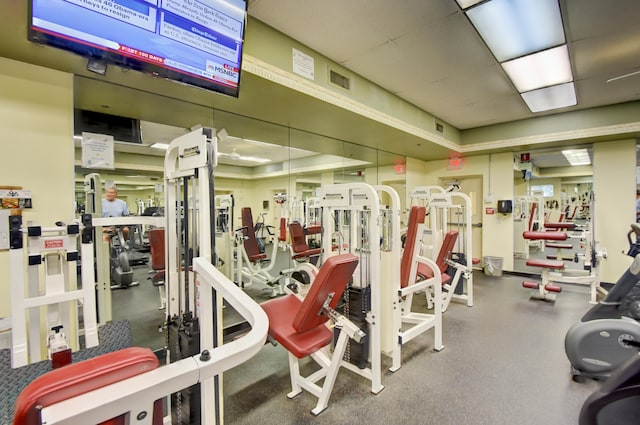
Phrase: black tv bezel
(112, 58)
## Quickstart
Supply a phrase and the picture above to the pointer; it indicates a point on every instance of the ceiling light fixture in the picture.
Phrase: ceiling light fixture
(235, 156)
(527, 38)
(547, 98)
(577, 156)
(542, 69)
(620, 77)
(163, 146)
(514, 28)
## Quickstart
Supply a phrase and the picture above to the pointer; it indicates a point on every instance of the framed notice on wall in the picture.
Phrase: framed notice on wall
(97, 151)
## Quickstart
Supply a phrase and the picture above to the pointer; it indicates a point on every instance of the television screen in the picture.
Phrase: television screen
(197, 42)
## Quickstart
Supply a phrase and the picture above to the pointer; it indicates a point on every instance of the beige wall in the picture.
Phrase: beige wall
(614, 186)
(496, 171)
(36, 129)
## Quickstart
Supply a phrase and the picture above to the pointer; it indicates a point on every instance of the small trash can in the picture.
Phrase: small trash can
(493, 266)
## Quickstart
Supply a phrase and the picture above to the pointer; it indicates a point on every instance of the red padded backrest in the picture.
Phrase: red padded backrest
(446, 249)
(79, 378)
(333, 277)
(156, 246)
(416, 217)
(534, 209)
(298, 240)
(283, 229)
(250, 243)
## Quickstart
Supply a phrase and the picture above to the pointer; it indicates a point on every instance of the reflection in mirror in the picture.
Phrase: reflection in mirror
(267, 169)
(549, 189)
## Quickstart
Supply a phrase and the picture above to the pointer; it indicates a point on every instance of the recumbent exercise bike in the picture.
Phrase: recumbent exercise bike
(609, 333)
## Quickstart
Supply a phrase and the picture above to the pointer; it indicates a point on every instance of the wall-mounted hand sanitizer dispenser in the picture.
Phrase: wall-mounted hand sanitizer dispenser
(505, 206)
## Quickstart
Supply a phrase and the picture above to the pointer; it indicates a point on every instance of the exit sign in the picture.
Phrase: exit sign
(455, 163)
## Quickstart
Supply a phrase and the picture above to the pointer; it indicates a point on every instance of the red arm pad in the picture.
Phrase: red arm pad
(560, 225)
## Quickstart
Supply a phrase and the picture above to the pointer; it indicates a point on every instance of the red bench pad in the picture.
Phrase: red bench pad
(559, 225)
(548, 236)
(547, 264)
(425, 272)
(79, 378)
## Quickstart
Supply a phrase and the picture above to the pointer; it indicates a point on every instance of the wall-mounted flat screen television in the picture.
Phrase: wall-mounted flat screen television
(197, 42)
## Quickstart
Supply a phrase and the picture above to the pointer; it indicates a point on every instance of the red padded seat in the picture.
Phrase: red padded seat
(300, 325)
(547, 236)
(547, 264)
(79, 378)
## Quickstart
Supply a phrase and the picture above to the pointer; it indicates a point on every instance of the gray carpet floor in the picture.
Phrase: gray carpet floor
(503, 363)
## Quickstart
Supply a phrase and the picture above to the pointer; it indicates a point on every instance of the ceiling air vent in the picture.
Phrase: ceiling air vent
(339, 80)
(439, 128)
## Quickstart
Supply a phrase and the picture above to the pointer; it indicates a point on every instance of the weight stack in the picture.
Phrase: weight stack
(356, 306)
(184, 341)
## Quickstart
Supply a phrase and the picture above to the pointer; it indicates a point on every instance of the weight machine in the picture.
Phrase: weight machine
(52, 256)
(351, 224)
(448, 209)
(106, 387)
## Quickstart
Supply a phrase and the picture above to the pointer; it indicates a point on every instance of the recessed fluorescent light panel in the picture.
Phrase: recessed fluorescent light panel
(164, 146)
(577, 156)
(514, 28)
(527, 38)
(467, 3)
(560, 96)
(542, 69)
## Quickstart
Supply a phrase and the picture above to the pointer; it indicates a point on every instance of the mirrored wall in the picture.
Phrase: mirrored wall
(549, 189)
(271, 169)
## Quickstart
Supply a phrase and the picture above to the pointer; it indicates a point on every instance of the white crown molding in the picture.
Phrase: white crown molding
(302, 85)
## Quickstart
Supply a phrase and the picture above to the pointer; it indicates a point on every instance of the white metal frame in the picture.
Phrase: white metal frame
(356, 197)
(406, 324)
(52, 253)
